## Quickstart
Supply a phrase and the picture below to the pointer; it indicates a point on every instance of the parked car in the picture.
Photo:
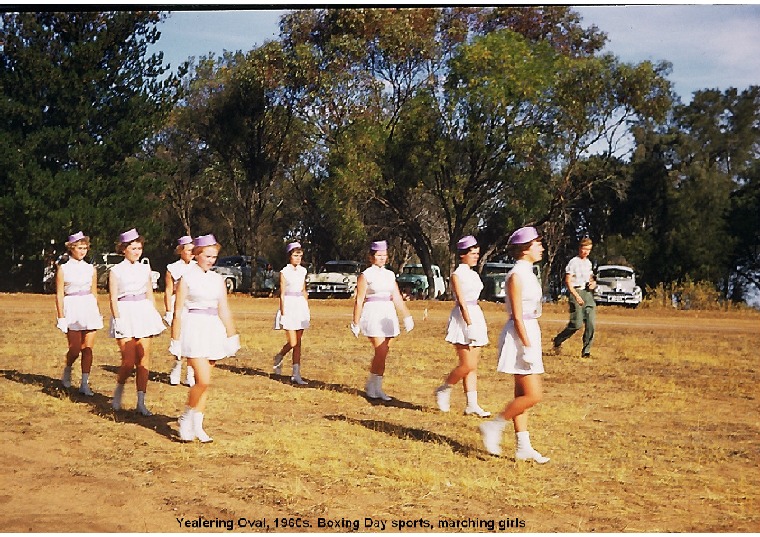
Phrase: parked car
(240, 274)
(616, 284)
(413, 282)
(494, 278)
(104, 262)
(334, 279)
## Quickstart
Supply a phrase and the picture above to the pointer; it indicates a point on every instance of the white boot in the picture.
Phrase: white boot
(473, 407)
(66, 377)
(491, 432)
(443, 397)
(296, 378)
(525, 452)
(190, 376)
(379, 389)
(277, 364)
(117, 393)
(370, 388)
(186, 426)
(198, 428)
(141, 408)
(83, 385)
(176, 373)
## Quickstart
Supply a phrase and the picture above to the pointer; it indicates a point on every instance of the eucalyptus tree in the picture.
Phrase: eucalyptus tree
(251, 128)
(80, 98)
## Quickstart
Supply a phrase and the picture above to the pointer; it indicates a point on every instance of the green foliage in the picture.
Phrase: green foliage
(80, 98)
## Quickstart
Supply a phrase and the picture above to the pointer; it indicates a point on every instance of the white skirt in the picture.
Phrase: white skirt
(202, 336)
(478, 328)
(296, 316)
(379, 319)
(512, 351)
(82, 313)
(138, 319)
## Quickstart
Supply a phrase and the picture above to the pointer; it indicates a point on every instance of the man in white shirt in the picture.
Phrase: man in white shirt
(580, 283)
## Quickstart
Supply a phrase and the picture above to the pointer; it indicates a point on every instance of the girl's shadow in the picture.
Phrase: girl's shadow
(99, 404)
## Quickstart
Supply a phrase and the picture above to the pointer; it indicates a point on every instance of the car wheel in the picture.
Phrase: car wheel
(229, 283)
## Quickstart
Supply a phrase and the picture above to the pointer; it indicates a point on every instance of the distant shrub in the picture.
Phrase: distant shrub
(687, 295)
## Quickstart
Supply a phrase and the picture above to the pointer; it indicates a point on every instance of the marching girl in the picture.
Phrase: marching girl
(520, 347)
(134, 317)
(202, 331)
(375, 315)
(467, 329)
(293, 315)
(174, 272)
(76, 283)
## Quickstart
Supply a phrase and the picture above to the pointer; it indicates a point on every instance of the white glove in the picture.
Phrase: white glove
(118, 331)
(169, 317)
(175, 348)
(355, 330)
(468, 333)
(62, 325)
(232, 345)
(408, 323)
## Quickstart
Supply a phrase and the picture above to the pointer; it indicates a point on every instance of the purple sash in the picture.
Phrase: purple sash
(204, 311)
(133, 298)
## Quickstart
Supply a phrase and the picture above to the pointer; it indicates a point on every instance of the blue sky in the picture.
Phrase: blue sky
(709, 45)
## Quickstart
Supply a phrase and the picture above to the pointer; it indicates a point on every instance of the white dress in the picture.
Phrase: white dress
(297, 315)
(80, 306)
(511, 349)
(177, 269)
(379, 317)
(470, 287)
(138, 317)
(203, 334)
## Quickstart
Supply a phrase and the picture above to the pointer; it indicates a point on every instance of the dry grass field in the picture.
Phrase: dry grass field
(658, 432)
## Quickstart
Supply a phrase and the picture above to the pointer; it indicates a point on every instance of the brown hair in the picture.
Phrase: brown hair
(122, 246)
(585, 241)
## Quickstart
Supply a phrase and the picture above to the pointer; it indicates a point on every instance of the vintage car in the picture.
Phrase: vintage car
(240, 275)
(104, 262)
(494, 277)
(616, 284)
(334, 279)
(413, 282)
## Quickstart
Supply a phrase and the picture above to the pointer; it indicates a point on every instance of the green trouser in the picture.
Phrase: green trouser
(580, 316)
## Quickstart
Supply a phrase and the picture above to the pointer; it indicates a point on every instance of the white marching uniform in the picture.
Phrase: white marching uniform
(177, 269)
(80, 306)
(297, 315)
(203, 334)
(470, 287)
(138, 317)
(512, 352)
(379, 317)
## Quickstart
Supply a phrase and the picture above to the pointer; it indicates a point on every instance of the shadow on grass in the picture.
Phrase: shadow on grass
(320, 385)
(99, 404)
(411, 433)
(153, 376)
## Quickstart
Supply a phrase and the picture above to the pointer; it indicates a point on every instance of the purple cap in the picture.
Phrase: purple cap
(204, 240)
(78, 236)
(129, 236)
(379, 246)
(523, 235)
(187, 239)
(292, 246)
(466, 242)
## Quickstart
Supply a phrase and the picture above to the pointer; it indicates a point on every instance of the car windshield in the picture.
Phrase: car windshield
(414, 270)
(496, 269)
(615, 273)
(339, 267)
(229, 262)
(114, 259)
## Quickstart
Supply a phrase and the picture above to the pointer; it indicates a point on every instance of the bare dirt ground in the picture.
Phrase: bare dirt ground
(658, 432)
